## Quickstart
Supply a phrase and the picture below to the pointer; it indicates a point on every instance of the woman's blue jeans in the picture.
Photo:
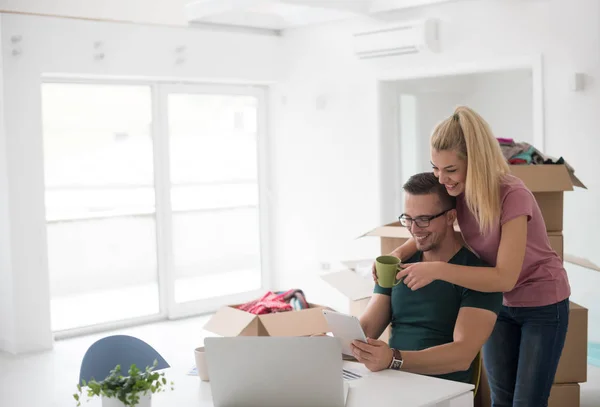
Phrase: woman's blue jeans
(522, 354)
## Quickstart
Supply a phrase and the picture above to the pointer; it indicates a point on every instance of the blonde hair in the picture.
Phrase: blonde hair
(467, 133)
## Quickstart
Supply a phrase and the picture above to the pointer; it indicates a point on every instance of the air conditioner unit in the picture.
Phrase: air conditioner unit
(408, 38)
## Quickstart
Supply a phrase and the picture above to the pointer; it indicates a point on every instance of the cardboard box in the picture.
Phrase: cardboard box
(561, 395)
(582, 262)
(572, 367)
(557, 243)
(230, 321)
(391, 236)
(548, 183)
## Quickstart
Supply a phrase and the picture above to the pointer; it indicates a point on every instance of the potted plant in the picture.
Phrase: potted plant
(136, 389)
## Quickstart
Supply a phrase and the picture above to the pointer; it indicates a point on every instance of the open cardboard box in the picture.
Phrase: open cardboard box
(572, 368)
(231, 321)
(548, 183)
(547, 177)
(562, 395)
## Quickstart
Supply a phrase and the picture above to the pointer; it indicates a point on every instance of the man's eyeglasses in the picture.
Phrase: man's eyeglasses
(420, 221)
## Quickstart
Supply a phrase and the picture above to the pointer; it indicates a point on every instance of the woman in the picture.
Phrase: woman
(501, 222)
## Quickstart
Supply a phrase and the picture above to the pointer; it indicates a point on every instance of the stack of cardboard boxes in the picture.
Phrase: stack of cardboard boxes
(548, 183)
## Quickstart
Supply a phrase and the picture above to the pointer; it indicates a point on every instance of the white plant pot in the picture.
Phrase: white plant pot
(145, 401)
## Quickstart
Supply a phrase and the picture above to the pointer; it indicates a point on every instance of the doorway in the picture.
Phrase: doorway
(509, 97)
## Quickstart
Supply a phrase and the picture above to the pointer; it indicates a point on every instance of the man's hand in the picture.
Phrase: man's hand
(374, 272)
(375, 355)
(395, 253)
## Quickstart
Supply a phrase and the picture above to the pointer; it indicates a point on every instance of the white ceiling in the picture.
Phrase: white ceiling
(282, 14)
(270, 14)
(266, 14)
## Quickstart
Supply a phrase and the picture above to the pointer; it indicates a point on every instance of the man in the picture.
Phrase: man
(439, 329)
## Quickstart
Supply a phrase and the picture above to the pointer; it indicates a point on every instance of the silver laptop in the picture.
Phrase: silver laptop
(275, 371)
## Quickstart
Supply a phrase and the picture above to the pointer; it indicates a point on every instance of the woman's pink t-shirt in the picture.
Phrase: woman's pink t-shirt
(543, 279)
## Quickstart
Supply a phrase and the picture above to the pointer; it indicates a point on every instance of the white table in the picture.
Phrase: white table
(392, 388)
(385, 388)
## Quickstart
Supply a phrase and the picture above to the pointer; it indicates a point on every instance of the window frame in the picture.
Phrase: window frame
(160, 89)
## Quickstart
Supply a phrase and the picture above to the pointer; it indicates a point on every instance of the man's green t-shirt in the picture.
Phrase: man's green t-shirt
(425, 318)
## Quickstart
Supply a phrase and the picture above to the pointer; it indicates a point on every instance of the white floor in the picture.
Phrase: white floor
(48, 379)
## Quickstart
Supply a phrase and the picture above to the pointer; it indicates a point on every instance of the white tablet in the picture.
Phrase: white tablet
(346, 328)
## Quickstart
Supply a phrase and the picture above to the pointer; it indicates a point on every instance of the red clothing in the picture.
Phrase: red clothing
(276, 302)
(270, 302)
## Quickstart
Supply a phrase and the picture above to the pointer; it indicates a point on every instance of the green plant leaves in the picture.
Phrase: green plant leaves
(127, 389)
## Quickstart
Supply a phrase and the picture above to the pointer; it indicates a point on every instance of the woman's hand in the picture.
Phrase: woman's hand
(375, 355)
(418, 275)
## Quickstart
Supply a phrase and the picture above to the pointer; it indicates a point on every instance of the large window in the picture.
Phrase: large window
(214, 194)
(153, 202)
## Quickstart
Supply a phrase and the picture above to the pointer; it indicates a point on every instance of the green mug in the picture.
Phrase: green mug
(387, 267)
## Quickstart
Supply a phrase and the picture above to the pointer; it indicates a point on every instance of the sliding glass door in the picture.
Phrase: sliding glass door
(215, 155)
(98, 156)
(155, 200)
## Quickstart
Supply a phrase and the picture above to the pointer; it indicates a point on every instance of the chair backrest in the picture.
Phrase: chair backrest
(476, 378)
(123, 350)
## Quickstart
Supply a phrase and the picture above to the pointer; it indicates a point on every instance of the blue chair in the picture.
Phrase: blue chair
(124, 350)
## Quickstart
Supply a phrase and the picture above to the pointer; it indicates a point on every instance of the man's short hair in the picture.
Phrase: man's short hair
(427, 183)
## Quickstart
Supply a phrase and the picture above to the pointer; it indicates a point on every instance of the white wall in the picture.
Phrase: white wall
(327, 161)
(6, 287)
(434, 98)
(426, 105)
(62, 46)
(584, 288)
(432, 108)
(505, 100)
(325, 157)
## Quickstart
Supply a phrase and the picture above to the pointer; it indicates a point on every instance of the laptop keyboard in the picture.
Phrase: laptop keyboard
(350, 375)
